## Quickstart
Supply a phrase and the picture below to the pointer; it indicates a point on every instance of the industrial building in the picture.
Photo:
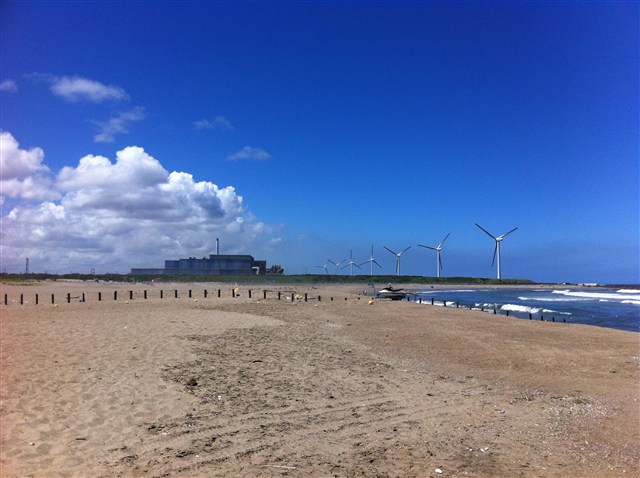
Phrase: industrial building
(215, 264)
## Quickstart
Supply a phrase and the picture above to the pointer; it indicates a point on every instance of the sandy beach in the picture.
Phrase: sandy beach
(248, 386)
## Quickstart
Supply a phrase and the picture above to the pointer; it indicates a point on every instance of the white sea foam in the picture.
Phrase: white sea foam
(628, 291)
(597, 295)
(551, 299)
(530, 310)
(634, 302)
(521, 308)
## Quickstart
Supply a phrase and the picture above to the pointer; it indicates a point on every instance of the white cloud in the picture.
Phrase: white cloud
(249, 152)
(117, 125)
(113, 216)
(218, 122)
(22, 172)
(9, 85)
(83, 89)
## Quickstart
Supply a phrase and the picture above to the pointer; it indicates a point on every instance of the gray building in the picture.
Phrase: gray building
(215, 264)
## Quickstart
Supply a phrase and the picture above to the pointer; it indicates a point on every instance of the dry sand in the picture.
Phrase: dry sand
(253, 387)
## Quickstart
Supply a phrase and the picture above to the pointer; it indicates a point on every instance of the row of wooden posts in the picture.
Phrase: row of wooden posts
(234, 293)
(495, 309)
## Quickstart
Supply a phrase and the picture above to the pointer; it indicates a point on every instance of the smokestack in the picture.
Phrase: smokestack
(217, 246)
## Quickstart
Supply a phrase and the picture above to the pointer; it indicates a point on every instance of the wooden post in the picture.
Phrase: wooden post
(130, 295)
(21, 299)
(264, 294)
(507, 313)
(205, 293)
(319, 298)
(99, 296)
(53, 299)
(36, 299)
(145, 294)
(115, 295)
(445, 303)
(189, 293)
(218, 292)
(68, 297)
(431, 300)
(176, 293)
(305, 297)
(249, 292)
(83, 299)
(233, 292)
(293, 296)
(161, 294)
(279, 295)
(6, 300)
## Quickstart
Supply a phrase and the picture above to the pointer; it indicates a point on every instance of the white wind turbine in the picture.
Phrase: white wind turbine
(438, 248)
(351, 263)
(326, 270)
(398, 255)
(372, 261)
(497, 248)
(337, 264)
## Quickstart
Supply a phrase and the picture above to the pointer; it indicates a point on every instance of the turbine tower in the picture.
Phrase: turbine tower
(496, 250)
(372, 261)
(438, 248)
(398, 255)
(351, 263)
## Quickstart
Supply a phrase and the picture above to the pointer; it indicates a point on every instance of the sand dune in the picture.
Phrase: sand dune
(222, 386)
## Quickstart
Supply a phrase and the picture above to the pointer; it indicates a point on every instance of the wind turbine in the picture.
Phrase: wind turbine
(337, 264)
(326, 271)
(397, 254)
(372, 261)
(497, 248)
(351, 263)
(438, 248)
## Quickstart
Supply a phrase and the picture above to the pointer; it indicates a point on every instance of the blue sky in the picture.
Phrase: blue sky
(134, 132)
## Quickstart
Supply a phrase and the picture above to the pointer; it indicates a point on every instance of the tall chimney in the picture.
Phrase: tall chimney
(217, 246)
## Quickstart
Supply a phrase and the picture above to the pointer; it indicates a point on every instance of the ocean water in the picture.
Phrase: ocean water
(612, 308)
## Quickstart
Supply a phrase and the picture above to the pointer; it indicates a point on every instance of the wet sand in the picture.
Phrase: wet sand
(223, 386)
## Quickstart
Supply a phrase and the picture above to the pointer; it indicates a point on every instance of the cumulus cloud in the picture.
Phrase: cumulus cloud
(22, 172)
(119, 124)
(8, 85)
(113, 216)
(249, 152)
(76, 89)
(218, 122)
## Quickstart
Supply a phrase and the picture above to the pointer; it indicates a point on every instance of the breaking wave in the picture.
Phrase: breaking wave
(598, 295)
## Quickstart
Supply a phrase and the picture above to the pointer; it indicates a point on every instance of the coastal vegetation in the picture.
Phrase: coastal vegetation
(268, 279)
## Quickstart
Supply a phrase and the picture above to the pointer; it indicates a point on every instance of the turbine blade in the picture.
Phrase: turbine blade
(376, 263)
(495, 250)
(440, 245)
(428, 247)
(405, 250)
(487, 232)
(394, 253)
(506, 234)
